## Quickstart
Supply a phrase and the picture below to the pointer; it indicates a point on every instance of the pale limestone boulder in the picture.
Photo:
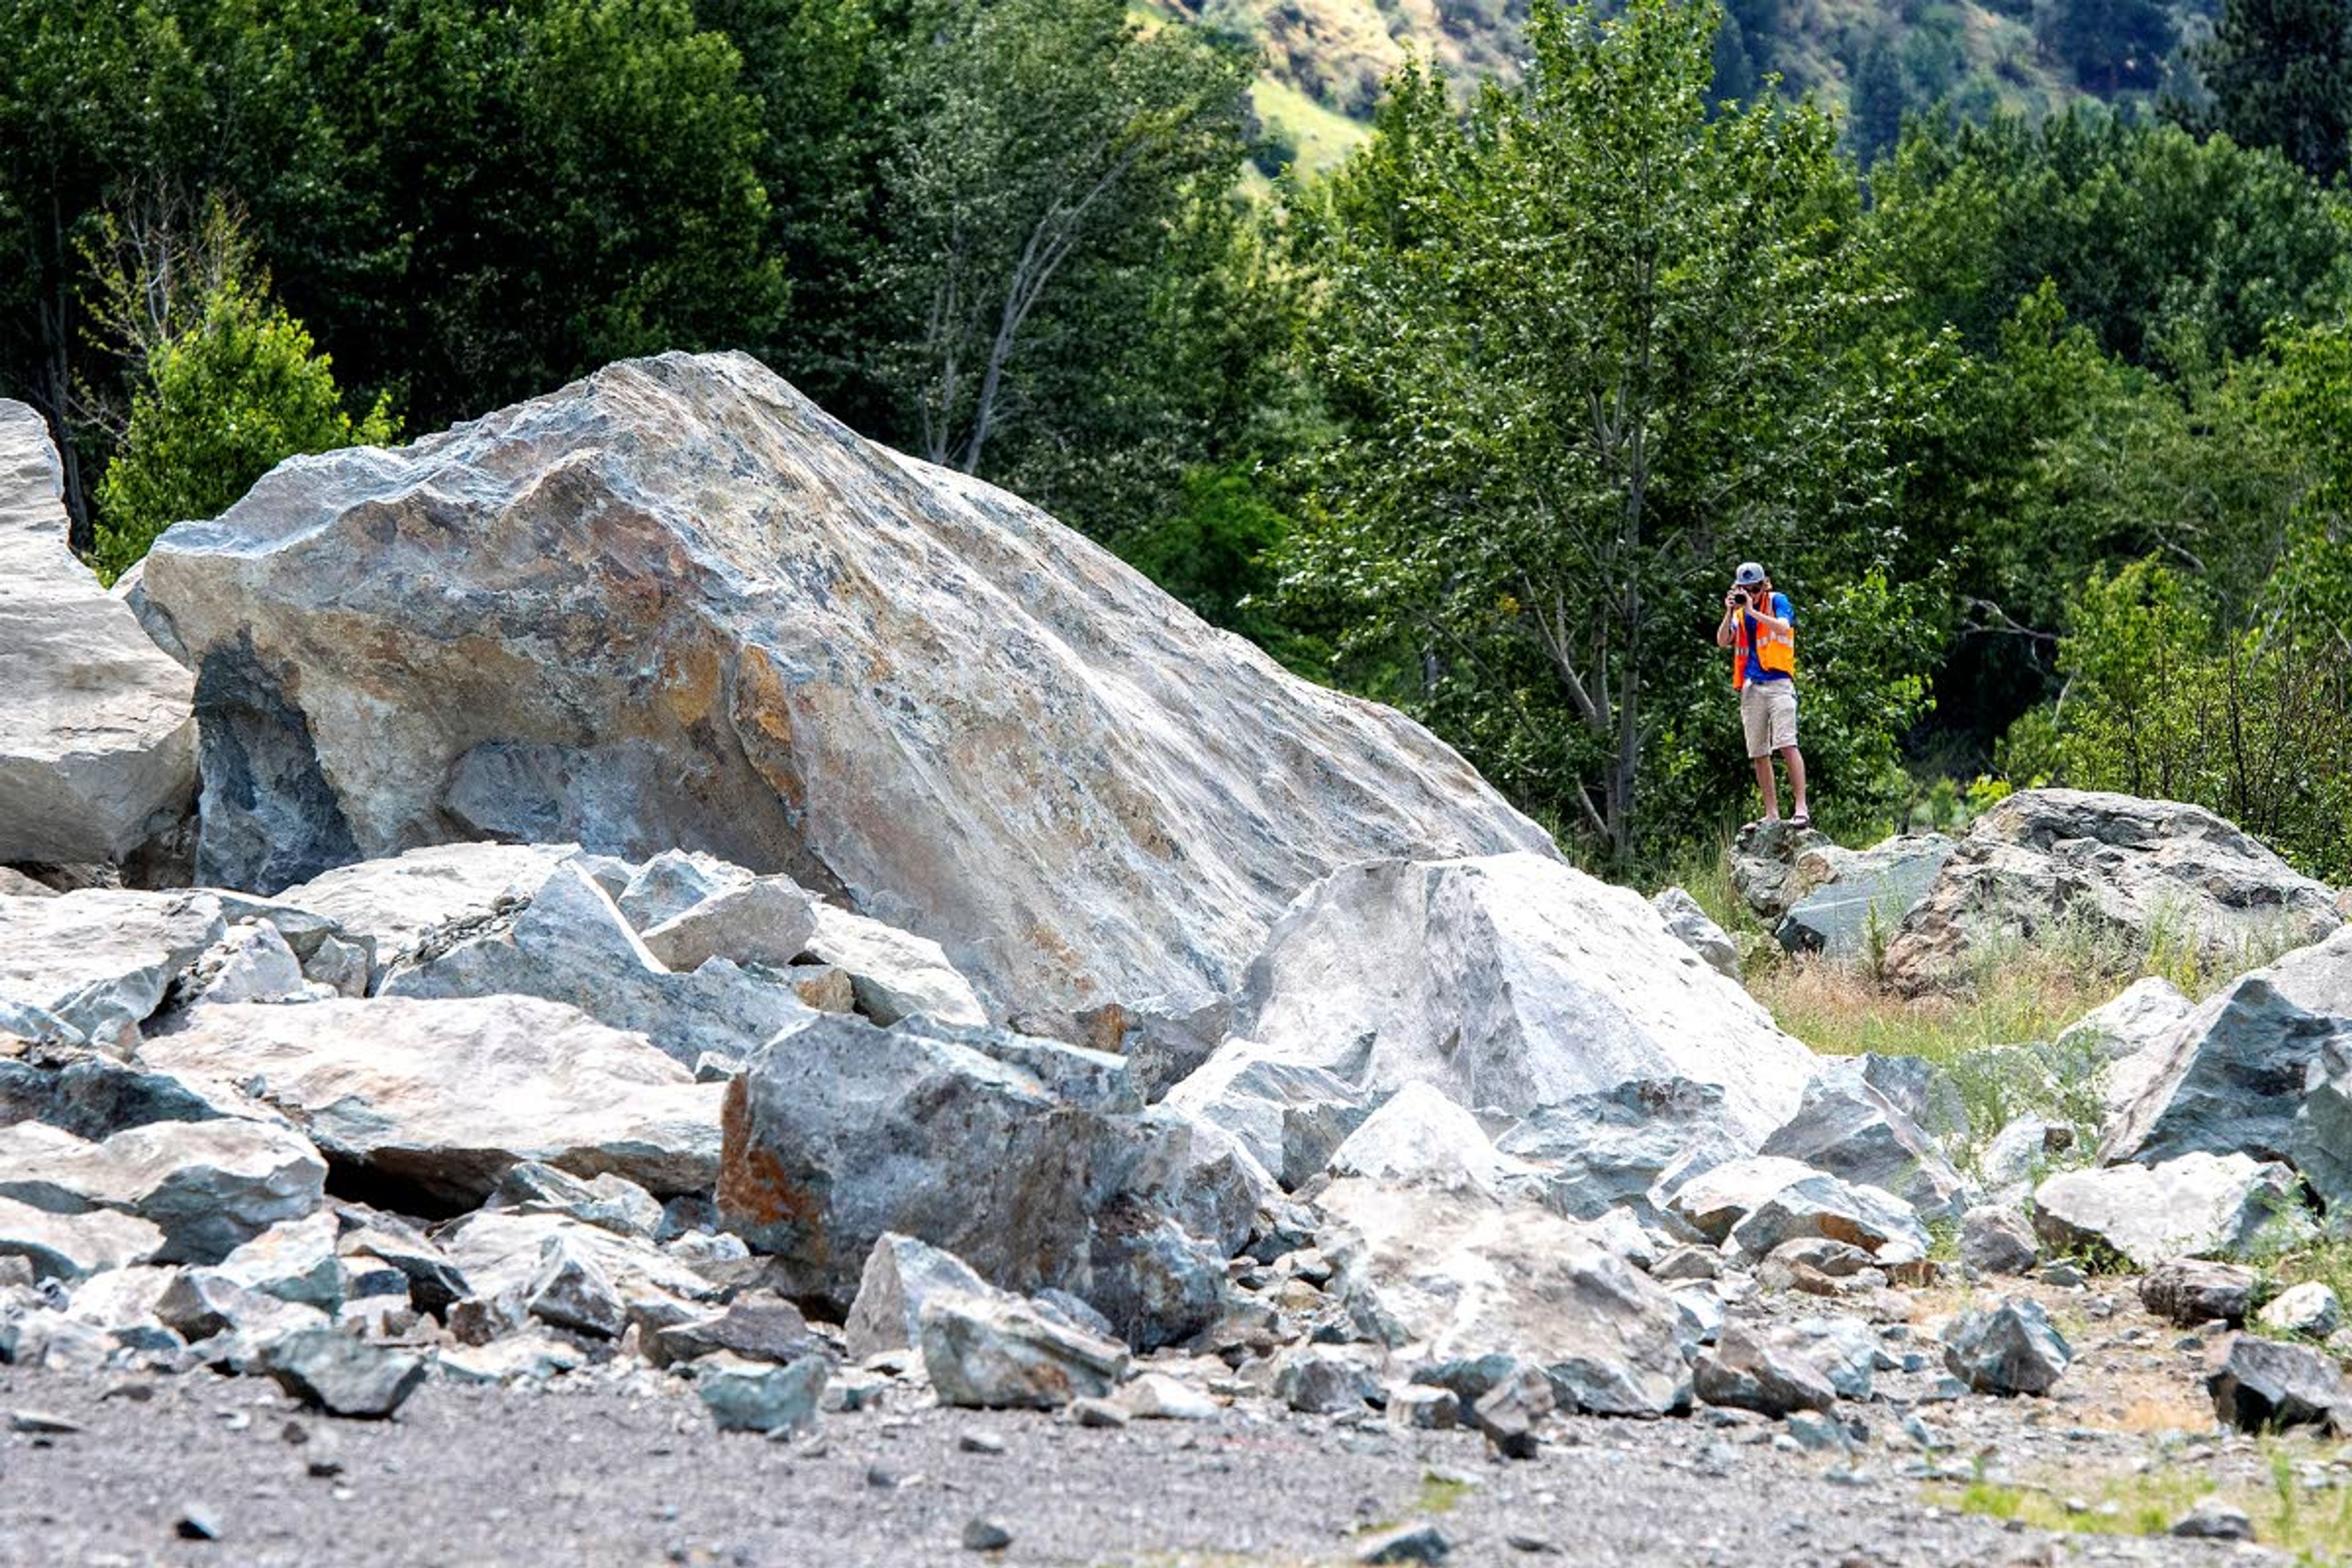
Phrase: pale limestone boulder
(444, 1096)
(2197, 1205)
(1508, 981)
(394, 903)
(2128, 872)
(97, 742)
(71, 1247)
(211, 1186)
(102, 961)
(1420, 1138)
(1466, 1291)
(676, 604)
(570, 945)
(767, 921)
(894, 974)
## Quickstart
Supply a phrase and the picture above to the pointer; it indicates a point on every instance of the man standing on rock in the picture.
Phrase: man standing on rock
(1760, 628)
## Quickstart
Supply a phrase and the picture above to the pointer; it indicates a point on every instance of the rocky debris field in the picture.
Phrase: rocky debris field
(708, 992)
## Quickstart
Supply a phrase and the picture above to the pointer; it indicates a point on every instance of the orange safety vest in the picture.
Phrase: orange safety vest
(1776, 650)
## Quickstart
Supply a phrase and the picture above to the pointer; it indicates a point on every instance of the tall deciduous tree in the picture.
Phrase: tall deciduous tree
(1037, 139)
(1586, 346)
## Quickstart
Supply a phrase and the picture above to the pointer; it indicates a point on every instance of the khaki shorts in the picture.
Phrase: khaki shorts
(1768, 711)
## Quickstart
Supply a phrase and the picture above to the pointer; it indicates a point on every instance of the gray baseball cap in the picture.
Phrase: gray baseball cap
(1748, 574)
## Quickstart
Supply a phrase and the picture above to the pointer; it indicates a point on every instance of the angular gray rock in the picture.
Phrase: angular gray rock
(1289, 1118)
(1995, 1239)
(768, 920)
(1510, 1413)
(2195, 1206)
(570, 945)
(395, 903)
(342, 1375)
(1689, 924)
(899, 685)
(1465, 1289)
(757, 1397)
(1510, 981)
(1774, 864)
(1006, 1151)
(1420, 1138)
(2309, 1311)
(295, 1260)
(673, 882)
(251, 964)
(579, 1270)
(210, 1186)
(1760, 1202)
(1326, 1380)
(2191, 1291)
(756, 1326)
(2008, 1348)
(1854, 896)
(101, 961)
(2231, 1077)
(1599, 1153)
(899, 1276)
(97, 742)
(1845, 1126)
(607, 1201)
(443, 1096)
(2263, 1385)
(71, 1247)
(1746, 1372)
(2120, 868)
(894, 974)
(994, 1353)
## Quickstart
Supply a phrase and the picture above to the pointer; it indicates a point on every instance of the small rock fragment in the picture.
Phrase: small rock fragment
(1510, 1412)
(43, 1424)
(1997, 1240)
(2261, 1385)
(1098, 1413)
(342, 1375)
(1421, 1543)
(1745, 1372)
(982, 1533)
(745, 1395)
(982, 1442)
(2008, 1349)
(198, 1523)
(2213, 1520)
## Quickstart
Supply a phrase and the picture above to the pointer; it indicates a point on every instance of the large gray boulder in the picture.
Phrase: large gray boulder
(2118, 869)
(676, 604)
(1020, 1156)
(97, 744)
(570, 945)
(2231, 1076)
(100, 961)
(1510, 981)
(1466, 1291)
(2198, 1205)
(441, 1096)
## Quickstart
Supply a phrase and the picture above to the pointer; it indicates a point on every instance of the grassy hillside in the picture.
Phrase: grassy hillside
(1871, 59)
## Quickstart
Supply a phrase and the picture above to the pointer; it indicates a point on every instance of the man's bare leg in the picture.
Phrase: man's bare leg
(1796, 760)
(1764, 781)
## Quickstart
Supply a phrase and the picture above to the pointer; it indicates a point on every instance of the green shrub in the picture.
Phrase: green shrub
(223, 403)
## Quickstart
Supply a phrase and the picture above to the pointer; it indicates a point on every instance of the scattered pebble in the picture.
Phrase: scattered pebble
(982, 1533)
(42, 1423)
(1421, 1542)
(198, 1523)
(982, 1442)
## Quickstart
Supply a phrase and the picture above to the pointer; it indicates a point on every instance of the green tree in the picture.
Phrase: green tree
(239, 392)
(1040, 147)
(2111, 46)
(1876, 119)
(1587, 347)
(2279, 75)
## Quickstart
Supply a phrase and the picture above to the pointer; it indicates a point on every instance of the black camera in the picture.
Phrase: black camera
(1739, 597)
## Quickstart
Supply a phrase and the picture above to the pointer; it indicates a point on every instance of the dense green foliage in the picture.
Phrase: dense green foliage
(1589, 336)
(2045, 423)
(224, 402)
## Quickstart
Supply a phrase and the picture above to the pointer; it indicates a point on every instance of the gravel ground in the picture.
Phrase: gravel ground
(624, 1468)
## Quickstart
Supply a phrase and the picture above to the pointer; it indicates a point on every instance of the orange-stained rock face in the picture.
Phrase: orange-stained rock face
(676, 605)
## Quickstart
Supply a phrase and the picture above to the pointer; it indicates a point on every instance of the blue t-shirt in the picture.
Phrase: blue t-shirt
(1782, 611)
